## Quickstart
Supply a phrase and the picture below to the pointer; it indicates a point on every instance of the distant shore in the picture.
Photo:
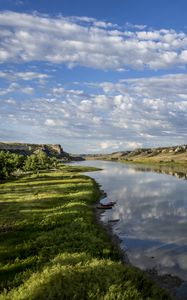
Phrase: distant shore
(162, 155)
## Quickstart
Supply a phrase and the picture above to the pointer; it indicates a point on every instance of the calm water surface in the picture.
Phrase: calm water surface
(151, 211)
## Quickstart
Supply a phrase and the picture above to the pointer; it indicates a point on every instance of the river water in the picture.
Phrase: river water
(150, 216)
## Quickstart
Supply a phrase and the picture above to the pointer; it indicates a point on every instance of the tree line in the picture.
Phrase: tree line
(12, 162)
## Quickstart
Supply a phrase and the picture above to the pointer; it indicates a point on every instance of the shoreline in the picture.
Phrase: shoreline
(71, 249)
(170, 283)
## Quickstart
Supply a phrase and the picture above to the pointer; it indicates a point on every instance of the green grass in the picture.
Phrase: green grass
(52, 248)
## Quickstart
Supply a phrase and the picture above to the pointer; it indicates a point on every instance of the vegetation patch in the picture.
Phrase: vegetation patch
(51, 247)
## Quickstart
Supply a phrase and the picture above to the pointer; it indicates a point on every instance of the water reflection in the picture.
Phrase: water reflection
(179, 171)
(152, 213)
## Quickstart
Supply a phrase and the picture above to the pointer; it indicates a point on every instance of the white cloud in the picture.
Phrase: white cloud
(10, 101)
(11, 88)
(27, 90)
(88, 42)
(107, 144)
(183, 56)
(86, 106)
(31, 75)
(50, 122)
(135, 26)
(114, 145)
(15, 87)
(134, 145)
(26, 76)
(124, 115)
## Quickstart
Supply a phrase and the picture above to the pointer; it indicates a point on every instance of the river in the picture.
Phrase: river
(150, 216)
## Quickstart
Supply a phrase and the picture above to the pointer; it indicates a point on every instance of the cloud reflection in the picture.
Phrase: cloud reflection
(152, 213)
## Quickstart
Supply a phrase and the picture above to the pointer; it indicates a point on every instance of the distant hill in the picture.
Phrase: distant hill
(52, 150)
(150, 155)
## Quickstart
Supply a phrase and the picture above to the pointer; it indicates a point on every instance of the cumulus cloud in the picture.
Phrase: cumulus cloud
(128, 114)
(50, 122)
(153, 104)
(88, 42)
(103, 116)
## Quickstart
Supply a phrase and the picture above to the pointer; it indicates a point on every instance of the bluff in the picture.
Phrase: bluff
(155, 155)
(52, 150)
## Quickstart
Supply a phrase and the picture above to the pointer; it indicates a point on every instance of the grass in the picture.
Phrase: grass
(52, 248)
(156, 156)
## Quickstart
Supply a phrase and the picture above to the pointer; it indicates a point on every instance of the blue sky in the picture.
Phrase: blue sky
(94, 76)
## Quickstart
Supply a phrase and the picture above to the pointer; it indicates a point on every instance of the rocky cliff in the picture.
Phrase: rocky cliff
(52, 150)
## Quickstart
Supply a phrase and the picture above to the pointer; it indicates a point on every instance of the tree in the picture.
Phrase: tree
(43, 160)
(37, 161)
(9, 163)
(31, 163)
(54, 162)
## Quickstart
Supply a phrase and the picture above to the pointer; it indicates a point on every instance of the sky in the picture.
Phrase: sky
(93, 76)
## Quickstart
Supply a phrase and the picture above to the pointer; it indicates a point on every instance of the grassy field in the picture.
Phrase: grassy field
(176, 155)
(52, 248)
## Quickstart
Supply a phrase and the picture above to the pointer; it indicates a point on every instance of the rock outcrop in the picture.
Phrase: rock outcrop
(52, 150)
